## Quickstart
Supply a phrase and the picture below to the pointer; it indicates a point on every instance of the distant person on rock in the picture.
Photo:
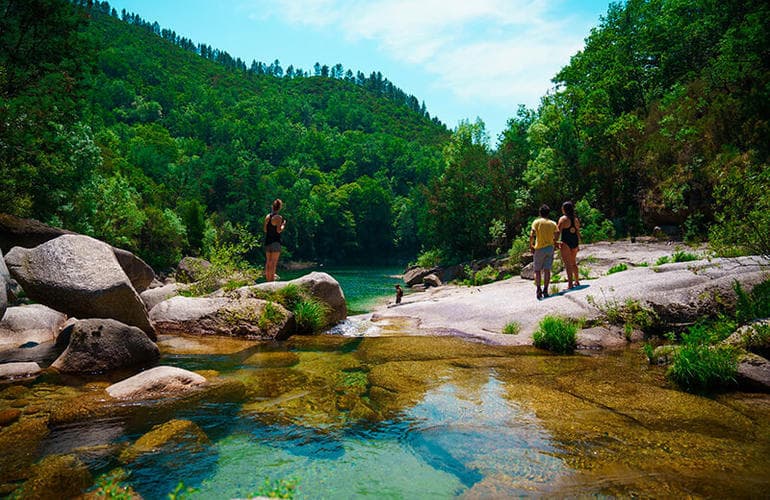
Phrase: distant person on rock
(274, 226)
(542, 238)
(399, 294)
(569, 226)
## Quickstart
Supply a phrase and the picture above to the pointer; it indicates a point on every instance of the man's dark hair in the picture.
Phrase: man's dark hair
(544, 210)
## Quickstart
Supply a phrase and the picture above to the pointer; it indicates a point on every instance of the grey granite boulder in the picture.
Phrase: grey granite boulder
(191, 269)
(100, 345)
(154, 296)
(156, 382)
(19, 370)
(754, 372)
(754, 337)
(432, 280)
(80, 276)
(237, 317)
(29, 233)
(321, 286)
(414, 275)
(139, 273)
(30, 323)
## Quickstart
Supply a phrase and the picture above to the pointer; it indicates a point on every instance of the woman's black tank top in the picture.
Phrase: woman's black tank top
(272, 235)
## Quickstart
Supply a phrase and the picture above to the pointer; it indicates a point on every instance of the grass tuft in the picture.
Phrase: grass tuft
(556, 334)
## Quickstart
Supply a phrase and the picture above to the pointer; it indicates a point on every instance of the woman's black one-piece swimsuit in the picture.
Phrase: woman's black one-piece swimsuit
(569, 235)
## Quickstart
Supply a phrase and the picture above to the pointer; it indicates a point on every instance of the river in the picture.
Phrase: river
(404, 416)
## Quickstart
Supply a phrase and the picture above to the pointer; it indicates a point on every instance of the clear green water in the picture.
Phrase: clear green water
(396, 416)
(364, 287)
(405, 417)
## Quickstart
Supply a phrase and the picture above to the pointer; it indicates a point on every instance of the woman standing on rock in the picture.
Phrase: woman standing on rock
(569, 225)
(274, 225)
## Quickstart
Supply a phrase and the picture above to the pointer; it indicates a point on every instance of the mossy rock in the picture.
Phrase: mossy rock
(57, 477)
(19, 444)
(663, 355)
(165, 437)
(274, 359)
(420, 348)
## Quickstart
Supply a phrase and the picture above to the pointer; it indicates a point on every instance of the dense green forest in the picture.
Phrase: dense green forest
(113, 126)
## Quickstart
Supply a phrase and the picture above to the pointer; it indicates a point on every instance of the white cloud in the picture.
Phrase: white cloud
(488, 50)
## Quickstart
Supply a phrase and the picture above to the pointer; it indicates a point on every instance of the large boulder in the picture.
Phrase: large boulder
(321, 286)
(158, 382)
(18, 370)
(80, 276)
(191, 269)
(154, 296)
(237, 317)
(754, 372)
(29, 233)
(139, 273)
(30, 323)
(100, 345)
(414, 275)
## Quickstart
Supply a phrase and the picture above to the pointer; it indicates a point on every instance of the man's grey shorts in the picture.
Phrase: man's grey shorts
(273, 247)
(543, 258)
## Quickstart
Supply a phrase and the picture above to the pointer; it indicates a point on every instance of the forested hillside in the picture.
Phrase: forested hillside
(662, 120)
(116, 127)
(156, 143)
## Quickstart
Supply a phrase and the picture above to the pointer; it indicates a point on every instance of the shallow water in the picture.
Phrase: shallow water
(365, 287)
(410, 417)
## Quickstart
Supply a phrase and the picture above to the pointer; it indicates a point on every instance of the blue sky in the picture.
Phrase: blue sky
(464, 58)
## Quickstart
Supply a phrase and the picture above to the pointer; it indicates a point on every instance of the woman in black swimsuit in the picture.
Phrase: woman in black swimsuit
(569, 225)
(274, 225)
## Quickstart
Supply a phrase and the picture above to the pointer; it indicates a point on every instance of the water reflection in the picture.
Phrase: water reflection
(406, 417)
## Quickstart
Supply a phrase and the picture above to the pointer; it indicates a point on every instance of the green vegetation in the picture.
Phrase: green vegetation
(699, 366)
(512, 328)
(752, 305)
(430, 258)
(663, 259)
(270, 317)
(617, 268)
(682, 256)
(555, 334)
(310, 315)
(128, 132)
(282, 488)
(631, 314)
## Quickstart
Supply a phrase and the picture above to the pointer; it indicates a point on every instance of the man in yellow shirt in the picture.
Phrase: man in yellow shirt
(542, 239)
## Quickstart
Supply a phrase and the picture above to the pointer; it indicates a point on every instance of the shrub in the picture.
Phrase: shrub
(682, 256)
(270, 317)
(519, 246)
(556, 334)
(752, 305)
(617, 268)
(593, 225)
(663, 259)
(512, 328)
(700, 367)
(430, 258)
(484, 276)
(310, 315)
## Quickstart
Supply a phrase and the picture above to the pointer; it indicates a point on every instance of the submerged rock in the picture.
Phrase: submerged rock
(166, 438)
(80, 276)
(101, 345)
(56, 477)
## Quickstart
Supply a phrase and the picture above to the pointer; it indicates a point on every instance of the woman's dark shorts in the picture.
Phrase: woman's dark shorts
(273, 247)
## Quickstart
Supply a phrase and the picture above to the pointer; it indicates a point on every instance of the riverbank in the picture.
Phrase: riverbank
(680, 292)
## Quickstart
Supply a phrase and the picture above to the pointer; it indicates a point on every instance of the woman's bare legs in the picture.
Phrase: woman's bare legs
(271, 264)
(569, 257)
